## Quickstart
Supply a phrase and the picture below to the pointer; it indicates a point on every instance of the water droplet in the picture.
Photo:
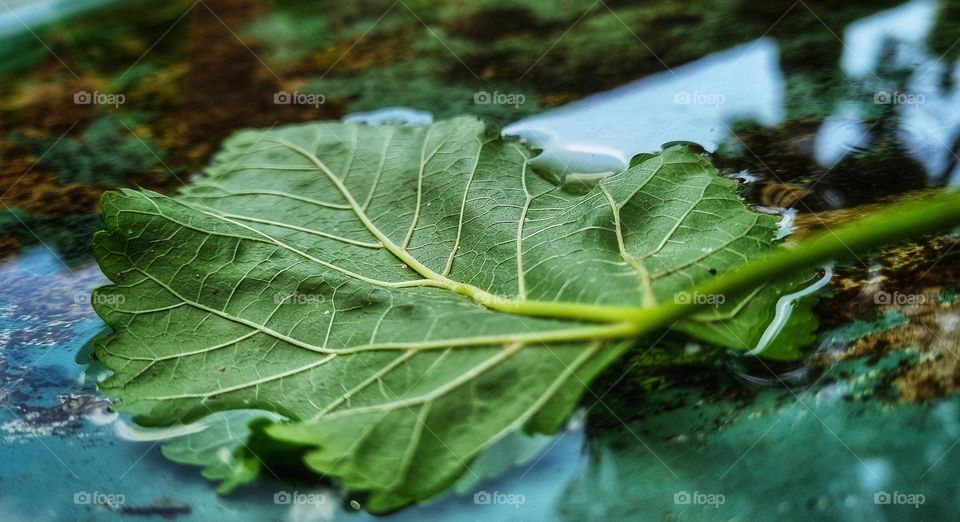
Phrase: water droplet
(390, 115)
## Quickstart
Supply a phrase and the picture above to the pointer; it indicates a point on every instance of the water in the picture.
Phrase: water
(791, 442)
(60, 446)
(18, 16)
(696, 102)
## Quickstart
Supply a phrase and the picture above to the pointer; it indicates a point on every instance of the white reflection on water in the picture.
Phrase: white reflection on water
(696, 102)
(905, 28)
(18, 16)
(929, 112)
(840, 134)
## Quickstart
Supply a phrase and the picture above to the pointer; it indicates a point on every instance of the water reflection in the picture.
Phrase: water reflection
(840, 134)
(893, 38)
(49, 410)
(696, 102)
(893, 98)
(16, 16)
(927, 106)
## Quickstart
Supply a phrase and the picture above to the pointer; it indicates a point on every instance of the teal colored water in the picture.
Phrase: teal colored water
(823, 452)
(62, 452)
(722, 440)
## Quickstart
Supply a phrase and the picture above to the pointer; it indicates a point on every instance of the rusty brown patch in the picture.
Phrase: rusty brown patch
(9, 246)
(356, 55)
(808, 223)
(910, 278)
(932, 329)
(226, 86)
(783, 195)
(493, 24)
(50, 107)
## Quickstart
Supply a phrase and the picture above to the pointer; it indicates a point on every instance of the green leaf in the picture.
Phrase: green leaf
(221, 448)
(515, 449)
(408, 296)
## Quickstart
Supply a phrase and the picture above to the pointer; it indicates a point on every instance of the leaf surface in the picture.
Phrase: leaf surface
(408, 296)
(221, 448)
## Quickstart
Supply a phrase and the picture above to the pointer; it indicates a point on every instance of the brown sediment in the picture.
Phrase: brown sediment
(555, 99)
(34, 188)
(930, 378)
(9, 246)
(49, 199)
(356, 55)
(785, 155)
(50, 107)
(21, 180)
(47, 109)
(783, 195)
(779, 154)
(227, 86)
(932, 328)
(224, 80)
(492, 24)
(807, 223)
(911, 278)
(905, 269)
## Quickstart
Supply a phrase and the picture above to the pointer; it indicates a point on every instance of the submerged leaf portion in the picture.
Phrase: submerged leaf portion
(220, 449)
(408, 295)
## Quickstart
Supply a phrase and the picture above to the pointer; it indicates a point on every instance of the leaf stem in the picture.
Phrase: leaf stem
(889, 225)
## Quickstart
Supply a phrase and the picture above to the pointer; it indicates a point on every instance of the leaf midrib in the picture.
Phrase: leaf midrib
(518, 306)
